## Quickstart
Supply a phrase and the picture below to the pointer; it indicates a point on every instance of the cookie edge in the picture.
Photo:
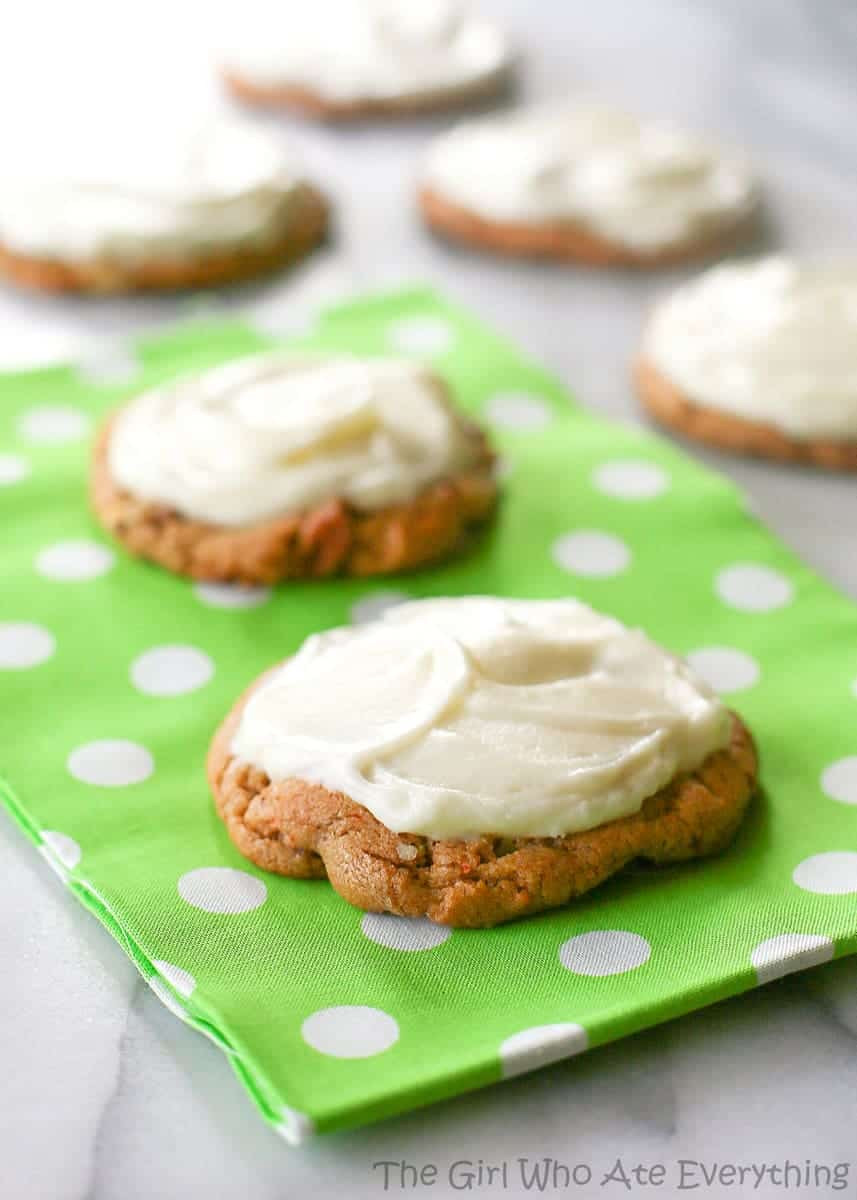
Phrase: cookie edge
(112, 276)
(380, 879)
(673, 408)
(570, 241)
(313, 105)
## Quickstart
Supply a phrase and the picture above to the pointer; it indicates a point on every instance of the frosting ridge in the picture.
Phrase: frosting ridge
(639, 183)
(282, 432)
(458, 717)
(175, 188)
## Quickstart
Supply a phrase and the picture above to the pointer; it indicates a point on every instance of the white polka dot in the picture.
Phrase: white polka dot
(404, 933)
(111, 763)
(12, 469)
(751, 587)
(63, 848)
(108, 362)
(177, 1007)
(171, 670)
(350, 1031)
(540, 1045)
(591, 553)
(53, 423)
(71, 562)
(833, 873)
(518, 411)
(222, 890)
(839, 780)
(628, 479)
(166, 997)
(370, 607)
(604, 952)
(503, 469)
(181, 980)
(24, 645)
(421, 335)
(54, 863)
(296, 1127)
(231, 595)
(789, 952)
(724, 669)
(751, 506)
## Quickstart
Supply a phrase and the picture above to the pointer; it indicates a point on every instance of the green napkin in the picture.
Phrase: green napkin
(114, 674)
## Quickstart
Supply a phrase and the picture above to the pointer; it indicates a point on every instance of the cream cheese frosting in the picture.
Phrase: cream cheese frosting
(354, 50)
(459, 717)
(282, 432)
(638, 183)
(773, 341)
(166, 188)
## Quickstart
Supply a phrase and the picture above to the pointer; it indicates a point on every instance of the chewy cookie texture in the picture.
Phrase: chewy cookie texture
(426, 797)
(285, 466)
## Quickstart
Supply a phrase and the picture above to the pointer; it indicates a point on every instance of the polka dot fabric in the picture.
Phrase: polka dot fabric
(114, 675)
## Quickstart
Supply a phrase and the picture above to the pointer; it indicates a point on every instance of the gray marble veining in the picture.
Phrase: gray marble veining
(105, 1095)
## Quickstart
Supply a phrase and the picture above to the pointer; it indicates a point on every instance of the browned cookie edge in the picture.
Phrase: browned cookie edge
(304, 229)
(565, 241)
(669, 405)
(312, 104)
(331, 539)
(302, 830)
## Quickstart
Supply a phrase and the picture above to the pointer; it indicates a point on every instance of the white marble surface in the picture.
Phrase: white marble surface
(105, 1095)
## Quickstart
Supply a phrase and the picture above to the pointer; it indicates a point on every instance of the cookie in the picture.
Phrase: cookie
(582, 183)
(558, 241)
(343, 505)
(192, 207)
(308, 827)
(672, 407)
(346, 60)
(758, 358)
(307, 103)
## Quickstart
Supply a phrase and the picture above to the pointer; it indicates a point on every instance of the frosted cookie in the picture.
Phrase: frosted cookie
(356, 58)
(478, 759)
(759, 357)
(170, 205)
(584, 183)
(288, 466)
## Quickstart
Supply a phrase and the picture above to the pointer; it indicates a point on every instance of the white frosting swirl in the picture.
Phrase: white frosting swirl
(174, 188)
(772, 341)
(642, 184)
(354, 50)
(453, 718)
(282, 432)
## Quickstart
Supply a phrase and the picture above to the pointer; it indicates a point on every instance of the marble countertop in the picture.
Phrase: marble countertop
(106, 1096)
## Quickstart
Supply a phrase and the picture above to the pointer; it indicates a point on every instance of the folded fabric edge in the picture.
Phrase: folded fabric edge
(294, 1126)
(297, 1127)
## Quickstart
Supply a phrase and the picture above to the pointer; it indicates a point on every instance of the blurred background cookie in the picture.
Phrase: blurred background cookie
(344, 59)
(176, 202)
(583, 182)
(759, 357)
